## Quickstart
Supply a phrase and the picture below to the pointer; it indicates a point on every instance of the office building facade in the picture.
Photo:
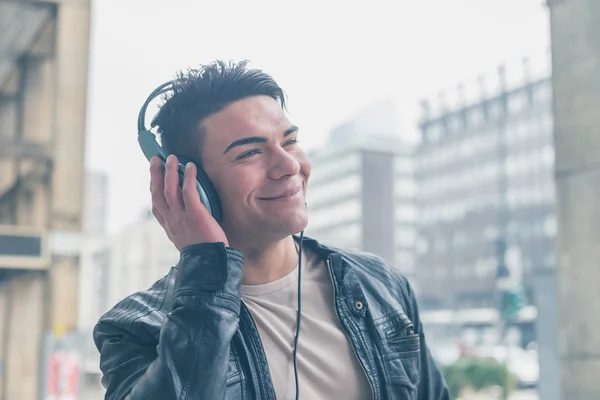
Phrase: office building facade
(485, 182)
(362, 192)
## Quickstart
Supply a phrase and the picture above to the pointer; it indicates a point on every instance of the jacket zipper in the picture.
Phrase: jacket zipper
(346, 333)
(262, 346)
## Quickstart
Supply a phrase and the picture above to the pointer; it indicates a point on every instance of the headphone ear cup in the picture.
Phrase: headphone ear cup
(208, 193)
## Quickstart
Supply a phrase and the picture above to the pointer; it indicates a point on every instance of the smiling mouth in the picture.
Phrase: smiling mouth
(290, 194)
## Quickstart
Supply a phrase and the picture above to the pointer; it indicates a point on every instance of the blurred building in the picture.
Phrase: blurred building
(361, 189)
(43, 91)
(95, 213)
(115, 266)
(112, 268)
(486, 197)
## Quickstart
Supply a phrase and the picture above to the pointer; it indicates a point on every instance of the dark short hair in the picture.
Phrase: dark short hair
(199, 93)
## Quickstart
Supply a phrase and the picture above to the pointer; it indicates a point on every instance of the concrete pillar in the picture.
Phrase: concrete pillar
(575, 34)
(64, 283)
(73, 24)
(67, 180)
(72, 35)
(4, 329)
(25, 331)
(378, 204)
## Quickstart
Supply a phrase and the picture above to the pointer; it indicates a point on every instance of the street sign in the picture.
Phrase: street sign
(62, 365)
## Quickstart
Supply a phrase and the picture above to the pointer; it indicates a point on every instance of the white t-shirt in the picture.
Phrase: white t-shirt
(327, 366)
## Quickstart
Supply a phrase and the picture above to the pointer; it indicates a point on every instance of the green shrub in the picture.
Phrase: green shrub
(478, 374)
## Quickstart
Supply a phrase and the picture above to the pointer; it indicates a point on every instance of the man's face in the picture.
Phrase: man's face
(250, 154)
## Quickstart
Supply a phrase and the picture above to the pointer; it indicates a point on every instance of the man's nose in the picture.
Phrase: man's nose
(283, 164)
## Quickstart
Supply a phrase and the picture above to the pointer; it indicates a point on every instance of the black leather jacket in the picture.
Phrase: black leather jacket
(191, 337)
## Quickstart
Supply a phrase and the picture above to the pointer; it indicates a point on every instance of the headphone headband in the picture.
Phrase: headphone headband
(165, 87)
(151, 148)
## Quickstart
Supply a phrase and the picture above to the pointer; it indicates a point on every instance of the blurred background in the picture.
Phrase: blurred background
(457, 139)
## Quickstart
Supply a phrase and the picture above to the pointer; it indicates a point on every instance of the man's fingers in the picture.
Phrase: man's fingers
(172, 191)
(192, 223)
(191, 197)
(157, 185)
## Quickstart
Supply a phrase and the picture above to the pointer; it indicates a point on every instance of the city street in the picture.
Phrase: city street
(528, 394)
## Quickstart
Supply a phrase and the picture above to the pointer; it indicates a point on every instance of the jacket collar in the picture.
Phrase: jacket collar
(349, 288)
(313, 245)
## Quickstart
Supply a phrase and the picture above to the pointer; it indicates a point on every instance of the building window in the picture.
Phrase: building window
(491, 232)
(434, 132)
(548, 155)
(347, 236)
(535, 160)
(442, 156)
(517, 102)
(349, 186)
(550, 260)
(495, 110)
(339, 214)
(459, 239)
(101, 262)
(547, 125)
(466, 147)
(338, 167)
(475, 117)
(550, 226)
(405, 237)
(523, 128)
(542, 93)
(533, 192)
(485, 267)
(406, 213)
(405, 188)
(403, 166)
(422, 246)
(455, 123)
(439, 272)
(422, 189)
(424, 161)
(511, 165)
(404, 259)
(549, 192)
(537, 228)
(440, 245)
(525, 232)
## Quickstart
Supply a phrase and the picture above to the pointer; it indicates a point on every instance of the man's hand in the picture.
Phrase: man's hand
(179, 211)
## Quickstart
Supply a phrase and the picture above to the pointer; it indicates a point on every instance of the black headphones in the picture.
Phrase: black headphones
(208, 196)
(151, 148)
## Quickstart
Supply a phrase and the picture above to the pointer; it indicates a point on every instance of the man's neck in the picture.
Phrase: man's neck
(270, 262)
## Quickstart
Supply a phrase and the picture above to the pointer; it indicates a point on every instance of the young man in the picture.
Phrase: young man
(221, 324)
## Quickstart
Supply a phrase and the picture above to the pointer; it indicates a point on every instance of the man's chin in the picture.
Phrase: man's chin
(290, 224)
(301, 226)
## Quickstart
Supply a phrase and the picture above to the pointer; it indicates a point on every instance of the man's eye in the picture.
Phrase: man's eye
(249, 153)
(291, 142)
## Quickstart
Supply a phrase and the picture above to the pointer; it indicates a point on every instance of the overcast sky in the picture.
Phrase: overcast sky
(331, 57)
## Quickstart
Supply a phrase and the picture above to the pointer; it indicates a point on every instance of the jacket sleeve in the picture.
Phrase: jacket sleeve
(432, 385)
(172, 341)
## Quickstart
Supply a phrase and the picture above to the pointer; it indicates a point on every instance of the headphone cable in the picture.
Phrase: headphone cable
(299, 315)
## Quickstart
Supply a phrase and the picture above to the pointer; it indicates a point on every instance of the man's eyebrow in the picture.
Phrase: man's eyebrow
(244, 141)
(257, 139)
(291, 130)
